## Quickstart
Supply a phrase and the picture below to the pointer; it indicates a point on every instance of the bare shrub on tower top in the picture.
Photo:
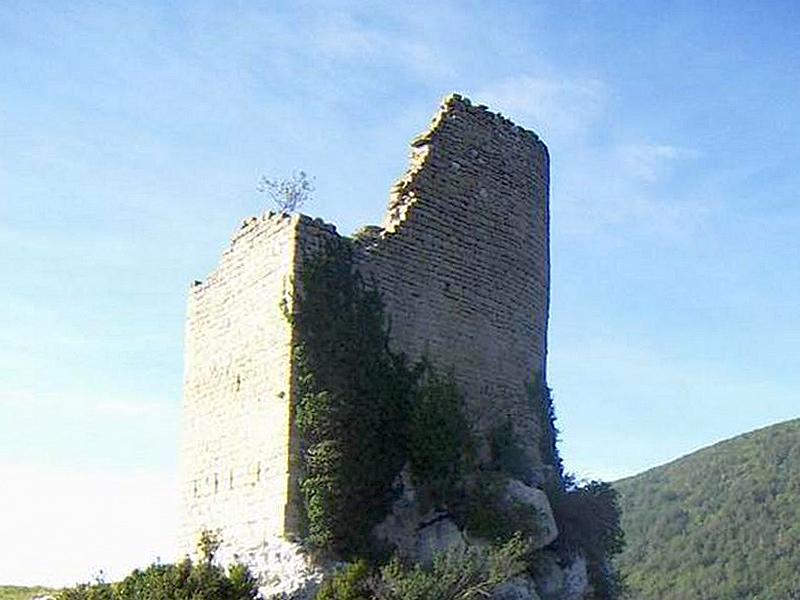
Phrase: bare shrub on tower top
(288, 195)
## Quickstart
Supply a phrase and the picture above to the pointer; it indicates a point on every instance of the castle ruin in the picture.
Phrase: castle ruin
(462, 263)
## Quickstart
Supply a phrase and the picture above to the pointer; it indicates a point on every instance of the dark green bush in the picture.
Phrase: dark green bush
(351, 583)
(588, 518)
(438, 438)
(506, 454)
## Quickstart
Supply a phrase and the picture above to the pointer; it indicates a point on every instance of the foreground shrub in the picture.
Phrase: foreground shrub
(182, 581)
(459, 574)
(185, 580)
(351, 583)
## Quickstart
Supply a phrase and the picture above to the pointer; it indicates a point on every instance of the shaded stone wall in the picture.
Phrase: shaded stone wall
(462, 259)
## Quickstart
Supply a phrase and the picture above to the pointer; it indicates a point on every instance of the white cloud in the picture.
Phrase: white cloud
(600, 187)
(603, 190)
(341, 36)
(554, 107)
(649, 162)
(62, 527)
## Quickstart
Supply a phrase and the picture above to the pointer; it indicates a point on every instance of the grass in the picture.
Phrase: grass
(16, 592)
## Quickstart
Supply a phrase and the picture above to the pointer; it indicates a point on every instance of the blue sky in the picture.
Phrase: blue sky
(132, 136)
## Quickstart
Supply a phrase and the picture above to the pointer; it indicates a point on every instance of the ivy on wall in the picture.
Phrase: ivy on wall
(541, 398)
(438, 438)
(353, 402)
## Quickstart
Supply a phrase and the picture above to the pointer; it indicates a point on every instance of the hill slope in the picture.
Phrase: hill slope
(722, 523)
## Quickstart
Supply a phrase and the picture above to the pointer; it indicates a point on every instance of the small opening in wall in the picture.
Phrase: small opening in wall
(216, 483)
(195, 489)
(230, 480)
(258, 472)
(238, 383)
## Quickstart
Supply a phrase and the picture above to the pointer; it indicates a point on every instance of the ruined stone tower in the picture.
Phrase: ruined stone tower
(462, 262)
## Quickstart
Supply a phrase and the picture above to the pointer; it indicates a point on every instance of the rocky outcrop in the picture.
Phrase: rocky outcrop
(556, 581)
(437, 536)
(283, 569)
(521, 588)
(519, 493)
(417, 535)
(576, 579)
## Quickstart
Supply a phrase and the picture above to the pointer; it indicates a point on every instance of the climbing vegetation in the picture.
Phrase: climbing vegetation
(354, 398)
(439, 438)
(363, 411)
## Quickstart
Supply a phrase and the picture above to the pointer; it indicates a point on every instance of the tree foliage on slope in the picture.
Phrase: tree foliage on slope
(722, 523)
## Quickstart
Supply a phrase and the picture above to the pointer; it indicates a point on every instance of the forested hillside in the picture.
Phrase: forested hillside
(722, 523)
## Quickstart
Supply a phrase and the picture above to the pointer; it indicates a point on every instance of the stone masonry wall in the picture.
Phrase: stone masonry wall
(462, 259)
(234, 451)
(237, 450)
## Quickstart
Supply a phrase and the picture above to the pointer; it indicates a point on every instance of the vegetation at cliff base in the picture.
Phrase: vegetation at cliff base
(587, 513)
(722, 523)
(458, 574)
